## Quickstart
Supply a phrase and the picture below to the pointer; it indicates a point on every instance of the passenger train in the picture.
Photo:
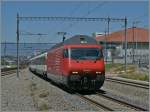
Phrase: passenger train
(77, 63)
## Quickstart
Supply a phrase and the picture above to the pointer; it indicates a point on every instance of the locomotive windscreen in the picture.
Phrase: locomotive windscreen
(84, 53)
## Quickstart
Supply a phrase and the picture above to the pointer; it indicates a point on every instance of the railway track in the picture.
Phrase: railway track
(127, 104)
(109, 98)
(101, 106)
(139, 84)
(8, 72)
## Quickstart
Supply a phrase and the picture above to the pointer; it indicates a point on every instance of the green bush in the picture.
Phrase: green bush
(136, 76)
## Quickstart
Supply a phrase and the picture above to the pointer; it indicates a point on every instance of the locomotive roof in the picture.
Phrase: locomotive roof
(77, 39)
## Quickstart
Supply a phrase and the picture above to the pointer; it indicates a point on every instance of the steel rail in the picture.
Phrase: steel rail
(95, 103)
(8, 72)
(122, 102)
(135, 84)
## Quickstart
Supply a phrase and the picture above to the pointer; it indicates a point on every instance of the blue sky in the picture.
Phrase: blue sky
(133, 10)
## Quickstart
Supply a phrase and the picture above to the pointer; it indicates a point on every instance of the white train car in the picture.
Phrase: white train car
(38, 64)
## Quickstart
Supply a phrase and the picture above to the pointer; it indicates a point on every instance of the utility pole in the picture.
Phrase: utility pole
(5, 49)
(17, 45)
(123, 39)
(5, 52)
(37, 18)
(133, 43)
(108, 22)
(125, 22)
(105, 45)
(135, 39)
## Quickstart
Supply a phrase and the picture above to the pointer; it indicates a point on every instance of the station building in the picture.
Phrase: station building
(137, 42)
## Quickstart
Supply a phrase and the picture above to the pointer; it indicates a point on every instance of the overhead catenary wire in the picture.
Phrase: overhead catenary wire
(19, 18)
(74, 10)
(138, 18)
(145, 14)
(88, 13)
(70, 14)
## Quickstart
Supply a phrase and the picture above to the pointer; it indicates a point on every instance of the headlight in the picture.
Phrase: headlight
(74, 72)
(98, 72)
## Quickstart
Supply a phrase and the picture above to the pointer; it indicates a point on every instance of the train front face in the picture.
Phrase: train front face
(85, 66)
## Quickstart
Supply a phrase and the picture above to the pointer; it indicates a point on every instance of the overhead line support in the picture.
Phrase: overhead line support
(66, 19)
(125, 44)
(69, 19)
(17, 45)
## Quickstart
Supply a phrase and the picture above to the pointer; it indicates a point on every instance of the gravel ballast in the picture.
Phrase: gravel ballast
(134, 95)
(31, 93)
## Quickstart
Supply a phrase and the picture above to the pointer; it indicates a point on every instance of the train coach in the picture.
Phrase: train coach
(77, 63)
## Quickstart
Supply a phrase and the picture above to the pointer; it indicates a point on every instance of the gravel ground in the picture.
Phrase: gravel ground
(50, 97)
(111, 104)
(135, 95)
(15, 94)
(31, 93)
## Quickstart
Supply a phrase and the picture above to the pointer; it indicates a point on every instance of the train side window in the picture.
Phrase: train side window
(65, 53)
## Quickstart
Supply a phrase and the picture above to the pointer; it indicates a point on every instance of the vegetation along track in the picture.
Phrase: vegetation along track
(139, 84)
(121, 102)
(102, 106)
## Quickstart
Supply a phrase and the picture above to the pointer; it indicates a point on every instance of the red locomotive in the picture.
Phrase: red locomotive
(77, 63)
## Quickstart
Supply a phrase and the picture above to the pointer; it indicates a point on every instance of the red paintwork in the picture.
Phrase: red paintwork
(55, 61)
(58, 65)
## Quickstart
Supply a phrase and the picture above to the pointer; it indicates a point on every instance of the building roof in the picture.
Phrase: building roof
(140, 35)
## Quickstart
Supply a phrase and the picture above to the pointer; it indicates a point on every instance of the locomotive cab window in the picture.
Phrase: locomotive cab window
(86, 53)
